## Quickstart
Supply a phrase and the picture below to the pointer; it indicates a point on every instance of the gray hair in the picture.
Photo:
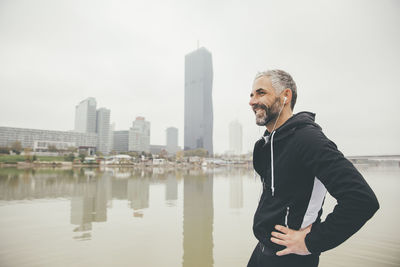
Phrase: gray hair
(280, 80)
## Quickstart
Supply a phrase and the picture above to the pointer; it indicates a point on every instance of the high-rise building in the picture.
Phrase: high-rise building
(198, 100)
(121, 141)
(235, 137)
(111, 136)
(172, 140)
(85, 116)
(139, 135)
(103, 130)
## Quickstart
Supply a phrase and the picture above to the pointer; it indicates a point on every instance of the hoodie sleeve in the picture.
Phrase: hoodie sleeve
(356, 202)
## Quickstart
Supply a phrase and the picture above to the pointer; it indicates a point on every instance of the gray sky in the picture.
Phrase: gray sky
(344, 56)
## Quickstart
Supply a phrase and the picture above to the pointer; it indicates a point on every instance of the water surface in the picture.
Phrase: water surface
(154, 217)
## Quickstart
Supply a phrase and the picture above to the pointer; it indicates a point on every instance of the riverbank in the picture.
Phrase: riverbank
(142, 165)
(59, 162)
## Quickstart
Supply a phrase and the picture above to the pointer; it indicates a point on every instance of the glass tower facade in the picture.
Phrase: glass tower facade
(85, 116)
(198, 101)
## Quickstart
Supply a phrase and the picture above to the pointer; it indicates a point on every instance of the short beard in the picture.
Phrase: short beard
(270, 113)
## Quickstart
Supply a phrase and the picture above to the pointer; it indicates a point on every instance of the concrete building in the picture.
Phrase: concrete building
(235, 137)
(111, 136)
(198, 101)
(139, 135)
(121, 141)
(103, 130)
(172, 140)
(85, 116)
(38, 139)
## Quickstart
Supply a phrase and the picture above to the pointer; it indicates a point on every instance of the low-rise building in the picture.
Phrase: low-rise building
(39, 139)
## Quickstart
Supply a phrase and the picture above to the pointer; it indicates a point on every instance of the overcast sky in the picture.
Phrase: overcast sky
(344, 56)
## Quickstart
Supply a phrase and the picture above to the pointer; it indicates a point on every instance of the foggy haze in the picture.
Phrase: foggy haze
(129, 55)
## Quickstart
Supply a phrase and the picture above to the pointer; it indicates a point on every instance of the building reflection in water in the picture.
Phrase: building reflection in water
(89, 202)
(138, 194)
(198, 215)
(91, 192)
(236, 191)
(171, 190)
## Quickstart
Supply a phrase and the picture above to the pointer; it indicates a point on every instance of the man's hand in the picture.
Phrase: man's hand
(293, 240)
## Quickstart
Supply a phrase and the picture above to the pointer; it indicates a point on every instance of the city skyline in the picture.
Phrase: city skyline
(92, 132)
(54, 54)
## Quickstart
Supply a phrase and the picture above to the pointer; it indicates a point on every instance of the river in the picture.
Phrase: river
(155, 217)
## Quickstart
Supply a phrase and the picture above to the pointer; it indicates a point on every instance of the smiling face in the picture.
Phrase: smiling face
(264, 101)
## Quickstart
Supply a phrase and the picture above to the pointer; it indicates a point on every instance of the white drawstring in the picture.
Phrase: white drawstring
(272, 151)
(272, 164)
(286, 217)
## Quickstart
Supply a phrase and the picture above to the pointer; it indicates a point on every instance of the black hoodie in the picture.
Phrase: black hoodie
(297, 164)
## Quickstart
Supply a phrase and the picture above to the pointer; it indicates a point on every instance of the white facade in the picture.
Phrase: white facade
(85, 116)
(235, 137)
(30, 137)
(139, 135)
(103, 130)
(44, 145)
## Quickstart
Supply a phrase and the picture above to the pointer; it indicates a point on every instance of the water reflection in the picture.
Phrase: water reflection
(138, 193)
(189, 218)
(89, 202)
(236, 192)
(198, 215)
(90, 191)
(171, 190)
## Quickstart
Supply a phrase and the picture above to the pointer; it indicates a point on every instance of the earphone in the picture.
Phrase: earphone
(284, 100)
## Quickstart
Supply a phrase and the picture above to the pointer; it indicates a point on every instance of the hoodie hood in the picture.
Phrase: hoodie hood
(297, 121)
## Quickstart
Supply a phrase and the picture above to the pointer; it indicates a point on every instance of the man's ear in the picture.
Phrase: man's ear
(287, 93)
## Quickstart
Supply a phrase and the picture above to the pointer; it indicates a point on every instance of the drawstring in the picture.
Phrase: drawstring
(266, 139)
(286, 217)
(272, 163)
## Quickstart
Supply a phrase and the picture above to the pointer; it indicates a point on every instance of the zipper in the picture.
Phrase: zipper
(286, 217)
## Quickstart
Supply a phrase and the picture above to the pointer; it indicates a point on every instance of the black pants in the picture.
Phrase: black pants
(263, 258)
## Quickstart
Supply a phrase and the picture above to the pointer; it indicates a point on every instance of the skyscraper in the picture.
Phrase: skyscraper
(85, 116)
(139, 135)
(111, 137)
(103, 130)
(235, 137)
(172, 139)
(198, 100)
(121, 141)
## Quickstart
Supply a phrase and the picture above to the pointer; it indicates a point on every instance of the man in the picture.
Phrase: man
(297, 165)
